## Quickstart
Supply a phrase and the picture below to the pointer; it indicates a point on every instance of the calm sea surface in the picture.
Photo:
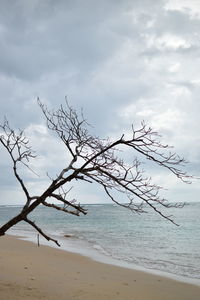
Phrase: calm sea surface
(115, 235)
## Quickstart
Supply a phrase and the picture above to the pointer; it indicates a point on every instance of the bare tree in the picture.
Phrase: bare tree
(92, 160)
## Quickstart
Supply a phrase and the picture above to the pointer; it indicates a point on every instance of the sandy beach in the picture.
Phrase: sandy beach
(32, 272)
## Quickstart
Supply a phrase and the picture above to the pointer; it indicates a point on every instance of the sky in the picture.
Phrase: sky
(121, 61)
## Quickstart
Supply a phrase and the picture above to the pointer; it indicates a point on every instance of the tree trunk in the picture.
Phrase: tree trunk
(20, 217)
(11, 223)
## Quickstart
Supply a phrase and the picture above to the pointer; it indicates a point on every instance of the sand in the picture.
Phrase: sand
(31, 272)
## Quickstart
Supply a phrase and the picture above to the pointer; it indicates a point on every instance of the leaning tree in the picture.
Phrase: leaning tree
(92, 160)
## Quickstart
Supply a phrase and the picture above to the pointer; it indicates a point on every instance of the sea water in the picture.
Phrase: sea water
(115, 234)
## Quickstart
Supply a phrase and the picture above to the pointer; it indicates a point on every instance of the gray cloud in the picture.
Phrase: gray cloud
(122, 61)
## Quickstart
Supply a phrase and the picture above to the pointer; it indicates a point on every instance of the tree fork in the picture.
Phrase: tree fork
(11, 223)
(20, 217)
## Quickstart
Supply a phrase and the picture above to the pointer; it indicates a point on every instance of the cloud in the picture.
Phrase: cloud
(168, 42)
(122, 61)
(190, 7)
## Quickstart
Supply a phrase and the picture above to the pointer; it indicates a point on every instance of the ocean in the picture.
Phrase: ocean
(114, 235)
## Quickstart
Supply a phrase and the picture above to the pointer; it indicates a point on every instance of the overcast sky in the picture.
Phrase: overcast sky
(122, 61)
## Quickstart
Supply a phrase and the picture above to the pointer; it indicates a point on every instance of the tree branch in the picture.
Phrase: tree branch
(40, 231)
(18, 149)
(68, 203)
(76, 213)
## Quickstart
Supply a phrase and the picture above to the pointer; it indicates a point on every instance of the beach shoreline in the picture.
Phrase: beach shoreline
(110, 235)
(32, 272)
(96, 255)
